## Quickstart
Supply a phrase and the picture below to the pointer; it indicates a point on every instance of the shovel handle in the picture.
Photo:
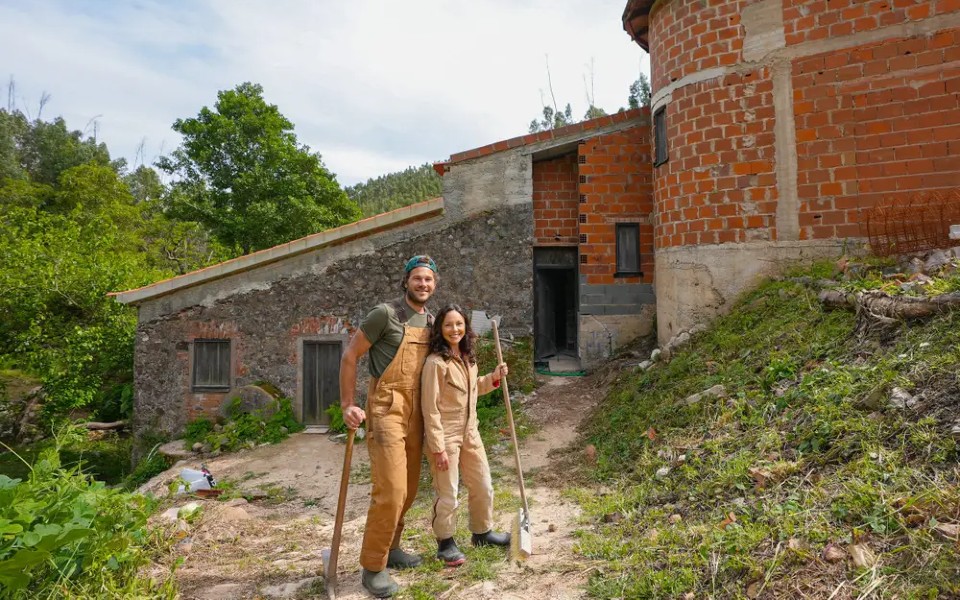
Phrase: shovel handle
(513, 429)
(341, 505)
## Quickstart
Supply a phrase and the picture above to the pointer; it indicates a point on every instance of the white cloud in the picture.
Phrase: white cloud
(369, 84)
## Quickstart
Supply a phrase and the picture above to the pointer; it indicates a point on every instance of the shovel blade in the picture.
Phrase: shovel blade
(329, 575)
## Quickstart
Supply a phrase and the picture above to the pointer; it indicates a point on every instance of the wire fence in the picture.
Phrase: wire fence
(913, 224)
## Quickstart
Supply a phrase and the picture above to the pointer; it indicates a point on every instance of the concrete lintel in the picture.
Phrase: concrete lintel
(372, 225)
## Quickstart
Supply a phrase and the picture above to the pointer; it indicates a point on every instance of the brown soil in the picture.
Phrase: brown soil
(227, 555)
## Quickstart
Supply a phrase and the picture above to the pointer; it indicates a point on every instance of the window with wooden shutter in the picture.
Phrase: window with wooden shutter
(628, 249)
(211, 365)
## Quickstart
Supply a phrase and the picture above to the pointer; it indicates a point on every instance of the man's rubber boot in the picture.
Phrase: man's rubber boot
(399, 560)
(379, 583)
(490, 538)
(448, 552)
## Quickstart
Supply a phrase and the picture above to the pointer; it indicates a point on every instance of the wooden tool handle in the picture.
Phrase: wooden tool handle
(513, 429)
(341, 504)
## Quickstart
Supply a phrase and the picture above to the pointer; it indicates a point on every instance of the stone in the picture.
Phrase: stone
(950, 531)
(663, 471)
(234, 513)
(645, 365)
(675, 518)
(206, 448)
(717, 391)
(198, 446)
(935, 260)
(251, 398)
(901, 399)
(833, 553)
(655, 355)
(862, 556)
(175, 450)
(236, 502)
(288, 590)
(223, 591)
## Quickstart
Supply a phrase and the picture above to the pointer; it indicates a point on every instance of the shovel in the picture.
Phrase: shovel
(521, 543)
(329, 555)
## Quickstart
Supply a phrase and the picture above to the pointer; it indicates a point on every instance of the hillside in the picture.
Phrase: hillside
(824, 465)
(396, 190)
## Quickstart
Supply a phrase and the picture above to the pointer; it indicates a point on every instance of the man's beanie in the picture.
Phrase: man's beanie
(420, 260)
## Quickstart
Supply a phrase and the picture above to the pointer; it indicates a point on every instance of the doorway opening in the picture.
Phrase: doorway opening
(321, 380)
(555, 306)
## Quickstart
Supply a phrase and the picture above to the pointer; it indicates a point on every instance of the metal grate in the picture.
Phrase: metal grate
(583, 259)
(583, 218)
(583, 179)
(582, 159)
(583, 198)
(921, 222)
(583, 238)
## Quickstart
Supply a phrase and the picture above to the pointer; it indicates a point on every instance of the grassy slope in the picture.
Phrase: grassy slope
(807, 405)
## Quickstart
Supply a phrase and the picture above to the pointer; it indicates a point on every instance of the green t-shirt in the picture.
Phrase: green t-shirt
(385, 332)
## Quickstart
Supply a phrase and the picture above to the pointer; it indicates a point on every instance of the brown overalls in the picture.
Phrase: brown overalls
(395, 445)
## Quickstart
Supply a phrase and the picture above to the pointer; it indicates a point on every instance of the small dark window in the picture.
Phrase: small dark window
(211, 365)
(660, 136)
(628, 249)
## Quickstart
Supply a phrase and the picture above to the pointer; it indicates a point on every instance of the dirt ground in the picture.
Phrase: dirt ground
(271, 547)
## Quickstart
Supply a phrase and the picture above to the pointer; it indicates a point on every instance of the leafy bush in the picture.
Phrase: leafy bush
(64, 535)
(152, 464)
(246, 428)
(197, 430)
(336, 419)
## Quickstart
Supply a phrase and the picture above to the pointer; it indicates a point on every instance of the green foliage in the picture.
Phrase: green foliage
(242, 173)
(151, 465)
(243, 429)
(639, 92)
(803, 447)
(491, 412)
(552, 119)
(336, 419)
(64, 535)
(396, 190)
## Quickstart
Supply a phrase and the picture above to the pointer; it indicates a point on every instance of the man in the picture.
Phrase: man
(397, 335)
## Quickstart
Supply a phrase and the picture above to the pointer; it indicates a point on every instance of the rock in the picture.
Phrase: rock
(862, 555)
(652, 534)
(655, 355)
(590, 452)
(717, 391)
(284, 430)
(663, 471)
(551, 528)
(170, 514)
(833, 553)
(198, 447)
(224, 591)
(795, 545)
(645, 365)
(955, 430)
(901, 399)
(187, 510)
(753, 590)
(234, 513)
(950, 531)
(675, 518)
(175, 450)
(935, 260)
(206, 448)
(288, 590)
(251, 398)
(236, 502)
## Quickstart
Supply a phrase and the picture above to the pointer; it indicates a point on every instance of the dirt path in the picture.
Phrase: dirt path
(270, 547)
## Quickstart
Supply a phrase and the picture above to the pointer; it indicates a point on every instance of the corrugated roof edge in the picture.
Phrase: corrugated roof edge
(339, 235)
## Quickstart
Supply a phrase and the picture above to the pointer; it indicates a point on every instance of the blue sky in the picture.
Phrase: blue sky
(374, 86)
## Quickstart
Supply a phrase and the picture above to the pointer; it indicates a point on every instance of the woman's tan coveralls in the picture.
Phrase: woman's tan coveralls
(395, 445)
(449, 402)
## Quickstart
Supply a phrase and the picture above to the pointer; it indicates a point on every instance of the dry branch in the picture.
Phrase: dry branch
(97, 426)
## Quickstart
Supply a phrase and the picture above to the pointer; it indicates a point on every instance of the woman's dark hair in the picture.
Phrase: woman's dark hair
(440, 346)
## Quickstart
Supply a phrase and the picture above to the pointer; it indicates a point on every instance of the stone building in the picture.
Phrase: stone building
(552, 231)
(778, 121)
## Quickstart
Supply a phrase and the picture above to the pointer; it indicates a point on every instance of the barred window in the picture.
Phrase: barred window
(660, 136)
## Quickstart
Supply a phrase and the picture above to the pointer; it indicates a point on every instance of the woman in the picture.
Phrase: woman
(449, 390)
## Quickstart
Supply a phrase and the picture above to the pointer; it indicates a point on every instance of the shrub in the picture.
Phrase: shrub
(245, 428)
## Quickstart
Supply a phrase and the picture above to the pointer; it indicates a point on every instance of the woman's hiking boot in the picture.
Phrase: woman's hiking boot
(448, 552)
(399, 560)
(490, 538)
(379, 583)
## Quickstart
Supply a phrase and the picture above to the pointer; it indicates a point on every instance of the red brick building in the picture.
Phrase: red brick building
(778, 122)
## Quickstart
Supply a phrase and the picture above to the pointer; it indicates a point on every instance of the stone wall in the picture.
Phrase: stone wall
(485, 263)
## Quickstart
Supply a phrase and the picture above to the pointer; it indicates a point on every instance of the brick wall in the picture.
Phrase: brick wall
(719, 184)
(688, 36)
(616, 186)
(555, 201)
(875, 121)
(811, 20)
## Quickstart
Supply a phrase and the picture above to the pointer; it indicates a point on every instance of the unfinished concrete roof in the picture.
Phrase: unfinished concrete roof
(636, 21)
(543, 136)
(366, 227)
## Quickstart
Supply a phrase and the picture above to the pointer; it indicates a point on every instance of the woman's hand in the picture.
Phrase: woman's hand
(442, 460)
(501, 371)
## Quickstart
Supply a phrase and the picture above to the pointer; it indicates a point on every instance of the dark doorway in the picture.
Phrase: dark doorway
(321, 381)
(555, 302)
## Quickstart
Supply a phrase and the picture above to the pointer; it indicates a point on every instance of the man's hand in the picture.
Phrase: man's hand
(353, 416)
(442, 460)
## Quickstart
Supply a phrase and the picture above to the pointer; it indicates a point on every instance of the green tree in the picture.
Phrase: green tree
(552, 119)
(242, 173)
(396, 190)
(639, 92)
